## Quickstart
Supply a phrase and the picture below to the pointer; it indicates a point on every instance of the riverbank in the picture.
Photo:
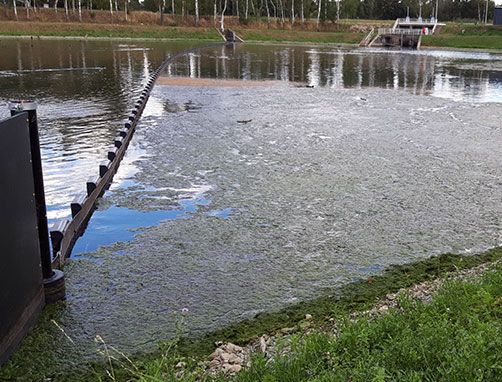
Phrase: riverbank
(120, 31)
(454, 35)
(466, 36)
(186, 357)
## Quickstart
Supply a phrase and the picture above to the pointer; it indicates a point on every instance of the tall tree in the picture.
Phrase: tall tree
(111, 10)
(318, 13)
(303, 16)
(222, 21)
(268, 13)
(292, 12)
(196, 13)
(15, 8)
(161, 11)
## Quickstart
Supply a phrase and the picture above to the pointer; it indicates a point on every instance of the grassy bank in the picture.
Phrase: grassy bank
(456, 337)
(30, 364)
(11, 28)
(471, 36)
(454, 35)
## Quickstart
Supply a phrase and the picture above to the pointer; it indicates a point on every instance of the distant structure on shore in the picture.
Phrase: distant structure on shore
(405, 33)
(497, 16)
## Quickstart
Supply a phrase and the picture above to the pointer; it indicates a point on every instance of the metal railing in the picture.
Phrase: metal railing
(399, 31)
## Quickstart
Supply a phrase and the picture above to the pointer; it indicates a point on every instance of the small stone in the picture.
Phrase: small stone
(233, 369)
(233, 348)
(263, 344)
(234, 359)
(215, 354)
(181, 365)
(308, 316)
(225, 357)
(214, 363)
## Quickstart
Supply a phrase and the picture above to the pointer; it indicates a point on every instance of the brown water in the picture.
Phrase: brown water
(84, 90)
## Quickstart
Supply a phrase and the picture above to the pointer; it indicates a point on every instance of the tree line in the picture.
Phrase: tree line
(292, 11)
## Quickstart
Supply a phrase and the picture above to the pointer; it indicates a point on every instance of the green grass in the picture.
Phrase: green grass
(11, 28)
(472, 36)
(457, 337)
(278, 35)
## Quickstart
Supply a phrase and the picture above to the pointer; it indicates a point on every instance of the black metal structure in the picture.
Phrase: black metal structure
(21, 284)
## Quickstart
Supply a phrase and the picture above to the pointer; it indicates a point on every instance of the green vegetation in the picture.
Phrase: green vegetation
(10, 28)
(472, 36)
(280, 35)
(356, 296)
(454, 35)
(457, 337)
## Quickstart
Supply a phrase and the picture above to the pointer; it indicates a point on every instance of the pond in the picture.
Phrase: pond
(262, 175)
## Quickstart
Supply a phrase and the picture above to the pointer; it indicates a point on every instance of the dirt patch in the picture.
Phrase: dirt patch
(210, 82)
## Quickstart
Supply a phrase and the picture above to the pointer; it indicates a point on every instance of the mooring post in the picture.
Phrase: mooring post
(54, 287)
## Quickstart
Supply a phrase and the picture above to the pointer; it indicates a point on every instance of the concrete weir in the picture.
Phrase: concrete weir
(405, 33)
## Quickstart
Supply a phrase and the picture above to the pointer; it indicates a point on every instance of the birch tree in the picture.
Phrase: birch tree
(222, 27)
(292, 12)
(214, 17)
(80, 10)
(196, 13)
(303, 16)
(66, 9)
(318, 13)
(126, 8)
(268, 13)
(111, 9)
(15, 8)
(246, 10)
